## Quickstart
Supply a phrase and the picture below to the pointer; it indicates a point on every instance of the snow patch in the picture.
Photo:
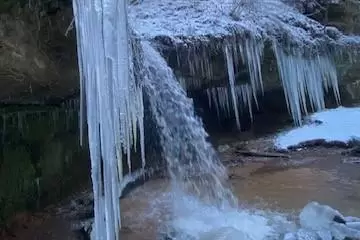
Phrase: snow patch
(339, 124)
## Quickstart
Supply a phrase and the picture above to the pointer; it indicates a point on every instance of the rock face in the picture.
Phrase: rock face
(41, 161)
(37, 61)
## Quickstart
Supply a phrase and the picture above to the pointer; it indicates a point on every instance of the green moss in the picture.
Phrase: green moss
(17, 181)
(41, 161)
(39, 5)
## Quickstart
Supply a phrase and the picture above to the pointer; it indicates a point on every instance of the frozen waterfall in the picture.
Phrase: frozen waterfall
(114, 102)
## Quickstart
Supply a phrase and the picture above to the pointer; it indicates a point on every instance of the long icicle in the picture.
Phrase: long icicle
(230, 68)
(113, 101)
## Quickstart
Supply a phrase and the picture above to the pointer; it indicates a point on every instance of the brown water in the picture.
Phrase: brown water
(285, 186)
(282, 185)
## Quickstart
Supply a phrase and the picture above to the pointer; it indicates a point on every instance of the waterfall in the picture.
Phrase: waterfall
(192, 162)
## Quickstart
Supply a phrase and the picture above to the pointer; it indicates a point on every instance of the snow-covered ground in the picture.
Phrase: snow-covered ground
(339, 124)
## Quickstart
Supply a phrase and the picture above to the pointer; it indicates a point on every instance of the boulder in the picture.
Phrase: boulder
(321, 222)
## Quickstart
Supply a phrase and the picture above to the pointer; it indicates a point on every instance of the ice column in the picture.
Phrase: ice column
(113, 101)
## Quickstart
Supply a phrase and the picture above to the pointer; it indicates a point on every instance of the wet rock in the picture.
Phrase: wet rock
(353, 152)
(339, 219)
(338, 144)
(223, 148)
(81, 234)
(333, 32)
(320, 142)
(352, 160)
(315, 216)
(279, 150)
(234, 162)
(323, 222)
(310, 143)
(83, 229)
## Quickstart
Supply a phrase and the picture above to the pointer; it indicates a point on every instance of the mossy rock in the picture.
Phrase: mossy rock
(17, 181)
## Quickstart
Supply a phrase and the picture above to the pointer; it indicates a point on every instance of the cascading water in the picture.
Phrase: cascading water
(201, 202)
(192, 162)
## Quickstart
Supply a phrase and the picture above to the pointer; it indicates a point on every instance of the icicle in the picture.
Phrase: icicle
(216, 101)
(244, 94)
(303, 77)
(4, 119)
(230, 68)
(220, 98)
(208, 94)
(251, 51)
(112, 99)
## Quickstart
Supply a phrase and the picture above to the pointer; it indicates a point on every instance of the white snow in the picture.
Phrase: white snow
(293, 35)
(339, 124)
(201, 18)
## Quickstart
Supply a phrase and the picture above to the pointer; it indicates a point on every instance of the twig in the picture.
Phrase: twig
(70, 27)
(263, 154)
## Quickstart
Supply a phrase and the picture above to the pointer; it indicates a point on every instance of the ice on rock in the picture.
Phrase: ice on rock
(318, 217)
(321, 222)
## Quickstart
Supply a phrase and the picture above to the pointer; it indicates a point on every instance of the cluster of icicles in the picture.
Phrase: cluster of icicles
(114, 96)
(58, 117)
(303, 78)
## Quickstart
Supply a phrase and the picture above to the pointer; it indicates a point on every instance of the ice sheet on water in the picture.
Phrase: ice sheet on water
(339, 124)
